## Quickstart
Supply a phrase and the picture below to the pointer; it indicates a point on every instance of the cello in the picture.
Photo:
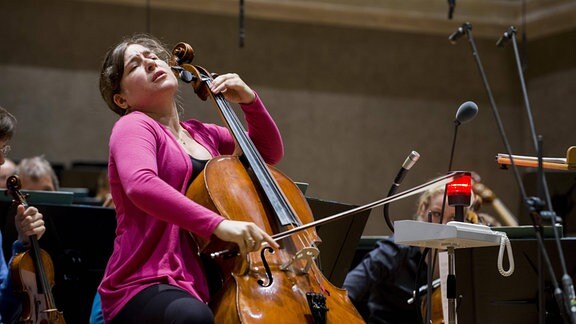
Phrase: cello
(32, 272)
(261, 286)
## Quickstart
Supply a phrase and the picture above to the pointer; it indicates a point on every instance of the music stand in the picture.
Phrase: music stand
(35, 197)
(445, 237)
(339, 238)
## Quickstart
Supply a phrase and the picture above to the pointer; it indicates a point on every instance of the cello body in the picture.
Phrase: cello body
(226, 187)
(283, 285)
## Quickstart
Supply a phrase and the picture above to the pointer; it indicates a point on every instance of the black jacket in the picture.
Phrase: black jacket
(384, 280)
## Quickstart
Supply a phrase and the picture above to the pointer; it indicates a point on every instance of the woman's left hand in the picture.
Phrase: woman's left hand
(233, 88)
(28, 221)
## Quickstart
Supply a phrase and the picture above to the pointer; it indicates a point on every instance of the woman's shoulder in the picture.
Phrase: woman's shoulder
(137, 123)
(134, 116)
(136, 119)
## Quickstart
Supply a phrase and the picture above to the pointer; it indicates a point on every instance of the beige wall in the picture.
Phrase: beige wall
(351, 103)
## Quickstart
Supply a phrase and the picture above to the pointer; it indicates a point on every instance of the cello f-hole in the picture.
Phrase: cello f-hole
(266, 267)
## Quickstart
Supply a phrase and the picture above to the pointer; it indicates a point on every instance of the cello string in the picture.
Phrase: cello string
(234, 122)
(278, 199)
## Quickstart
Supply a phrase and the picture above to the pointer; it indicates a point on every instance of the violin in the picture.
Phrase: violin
(33, 274)
(266, 286)
(436, 315)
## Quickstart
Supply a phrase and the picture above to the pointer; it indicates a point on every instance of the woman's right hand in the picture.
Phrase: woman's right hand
(247, 235)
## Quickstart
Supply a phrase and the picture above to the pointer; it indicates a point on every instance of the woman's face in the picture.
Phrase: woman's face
(147, 82)
(435, 209)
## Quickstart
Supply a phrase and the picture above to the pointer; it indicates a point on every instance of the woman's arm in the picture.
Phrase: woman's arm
(133, 149)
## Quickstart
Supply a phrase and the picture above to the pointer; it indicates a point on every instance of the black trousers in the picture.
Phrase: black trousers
(164, 304)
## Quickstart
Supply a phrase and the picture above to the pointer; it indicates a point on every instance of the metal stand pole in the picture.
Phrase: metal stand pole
(451, 286)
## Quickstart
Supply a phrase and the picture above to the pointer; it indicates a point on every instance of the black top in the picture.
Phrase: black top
(197, 167)
(384, 280)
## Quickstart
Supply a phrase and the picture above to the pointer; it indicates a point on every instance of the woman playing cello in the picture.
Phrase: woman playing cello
(154, 273)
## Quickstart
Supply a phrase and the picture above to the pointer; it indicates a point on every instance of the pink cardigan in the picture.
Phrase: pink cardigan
(149, 173)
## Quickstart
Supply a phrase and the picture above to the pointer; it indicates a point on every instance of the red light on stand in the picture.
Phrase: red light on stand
(461, 186)
(459, 193)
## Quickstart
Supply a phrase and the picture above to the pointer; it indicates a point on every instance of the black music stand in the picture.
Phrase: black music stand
(339, 238)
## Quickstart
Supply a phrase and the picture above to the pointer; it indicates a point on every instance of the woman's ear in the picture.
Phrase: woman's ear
(120, 101)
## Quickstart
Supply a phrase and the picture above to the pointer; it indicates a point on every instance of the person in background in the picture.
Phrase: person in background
(6, 170)
(155, 273)
(28, 222)
(381, 284)
(103, 190)
(36, 173)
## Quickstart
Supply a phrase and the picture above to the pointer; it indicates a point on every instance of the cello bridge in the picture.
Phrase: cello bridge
(306, 255)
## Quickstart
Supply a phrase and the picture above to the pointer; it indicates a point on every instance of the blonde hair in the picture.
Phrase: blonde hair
(425, 200)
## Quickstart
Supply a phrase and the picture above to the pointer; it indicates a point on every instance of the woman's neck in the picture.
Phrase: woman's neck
(168, 117)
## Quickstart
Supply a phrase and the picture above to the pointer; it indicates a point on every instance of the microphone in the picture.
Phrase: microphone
(459, 32)
(506, 36)
(466, 112)
(406, 166)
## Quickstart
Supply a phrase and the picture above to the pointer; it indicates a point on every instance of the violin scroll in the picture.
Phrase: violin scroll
(13, 187)
(13, 183)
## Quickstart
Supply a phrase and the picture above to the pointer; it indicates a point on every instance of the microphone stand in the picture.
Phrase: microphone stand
(241, 33)
(451, 279)
(432, 255)
(532, 203)
(569, 298)
(451, 6)
(406, 166)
